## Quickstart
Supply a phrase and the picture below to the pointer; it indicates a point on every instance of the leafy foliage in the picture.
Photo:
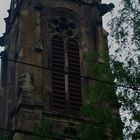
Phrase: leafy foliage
(44, 131)
(125, 27)
(129, 74)
(98, 108)
(3, 137)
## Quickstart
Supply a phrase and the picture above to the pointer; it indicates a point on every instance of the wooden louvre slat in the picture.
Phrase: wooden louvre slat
(75, 89)
(73, 60)
(59, 84)
(75, 85)
(75, 98)
(58, 74)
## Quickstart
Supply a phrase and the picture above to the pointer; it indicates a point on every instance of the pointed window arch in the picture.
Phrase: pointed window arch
(65, 61)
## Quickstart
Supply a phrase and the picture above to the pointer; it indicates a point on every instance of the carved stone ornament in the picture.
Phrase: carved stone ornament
(26, 83)
(63, 25)
(38, 42)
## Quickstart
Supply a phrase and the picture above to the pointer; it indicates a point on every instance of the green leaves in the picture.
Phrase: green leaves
(44, 131)
(4, 137)
(100, 100)
(125, 28)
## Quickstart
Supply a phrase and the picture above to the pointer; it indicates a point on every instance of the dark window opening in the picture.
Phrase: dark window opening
(58, 74)
(74, 80)
(74, 97)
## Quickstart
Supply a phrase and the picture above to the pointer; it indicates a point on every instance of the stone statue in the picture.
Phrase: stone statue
(26, 82)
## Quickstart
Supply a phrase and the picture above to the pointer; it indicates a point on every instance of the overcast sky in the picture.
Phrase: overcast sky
(4, 6)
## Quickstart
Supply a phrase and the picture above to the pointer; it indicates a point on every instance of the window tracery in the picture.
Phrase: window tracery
(64, 26)
(65, 64)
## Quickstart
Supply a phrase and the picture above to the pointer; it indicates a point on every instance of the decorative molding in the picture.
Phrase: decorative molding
(38, 42)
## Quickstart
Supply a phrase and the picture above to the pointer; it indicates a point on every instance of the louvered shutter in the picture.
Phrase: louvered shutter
(74, 81)
(58, 74)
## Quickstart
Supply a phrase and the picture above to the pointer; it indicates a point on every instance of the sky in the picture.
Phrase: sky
(107, 16)
(4, 6)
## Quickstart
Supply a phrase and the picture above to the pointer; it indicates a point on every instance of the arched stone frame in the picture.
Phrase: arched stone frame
(64, 12)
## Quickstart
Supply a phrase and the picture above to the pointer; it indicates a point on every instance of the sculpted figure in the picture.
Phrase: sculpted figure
(26, 82)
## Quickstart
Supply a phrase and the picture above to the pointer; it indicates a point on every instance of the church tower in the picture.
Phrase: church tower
(53, 67)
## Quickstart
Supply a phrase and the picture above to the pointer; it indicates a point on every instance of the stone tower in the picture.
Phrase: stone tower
(52, 49)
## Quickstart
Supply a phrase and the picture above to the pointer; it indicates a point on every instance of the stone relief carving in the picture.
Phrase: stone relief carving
(38, 42)
(26, 83)
(63, 25)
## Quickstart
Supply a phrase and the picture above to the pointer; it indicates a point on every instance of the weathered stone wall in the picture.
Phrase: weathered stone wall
(34, 42)
(28, 87)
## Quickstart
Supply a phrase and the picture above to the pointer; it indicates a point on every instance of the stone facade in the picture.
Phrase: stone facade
(27, 65)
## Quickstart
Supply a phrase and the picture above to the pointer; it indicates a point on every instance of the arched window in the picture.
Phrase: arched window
(65, 61)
